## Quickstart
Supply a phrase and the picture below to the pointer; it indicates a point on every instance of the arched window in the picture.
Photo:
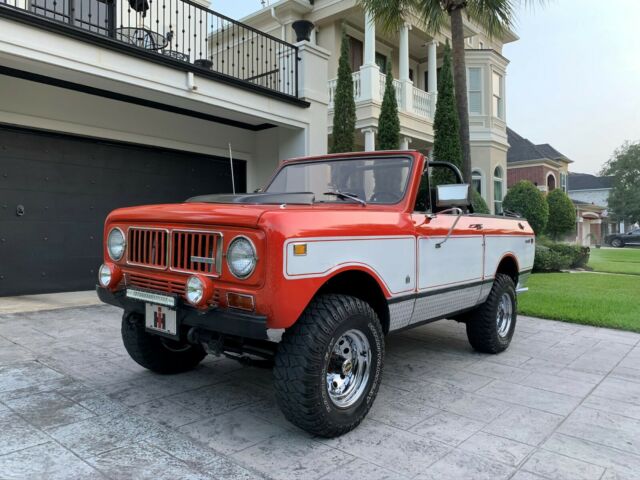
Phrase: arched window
(498, 191)
(477, 180)
(551, 182)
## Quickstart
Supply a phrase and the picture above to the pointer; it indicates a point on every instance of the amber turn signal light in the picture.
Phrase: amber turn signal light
(300, 249)
(240, 301)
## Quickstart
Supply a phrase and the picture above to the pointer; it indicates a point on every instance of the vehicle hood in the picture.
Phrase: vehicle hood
(193, 214)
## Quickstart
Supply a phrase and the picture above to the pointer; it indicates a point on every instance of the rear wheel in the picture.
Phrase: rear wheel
(618, 243)
(329, 364)
(491, 326)
(159, 354)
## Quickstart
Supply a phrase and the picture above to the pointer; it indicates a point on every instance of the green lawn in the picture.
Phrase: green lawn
(588, 298)
(621, 260)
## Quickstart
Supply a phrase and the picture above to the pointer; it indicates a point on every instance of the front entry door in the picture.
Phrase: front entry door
(450, 271)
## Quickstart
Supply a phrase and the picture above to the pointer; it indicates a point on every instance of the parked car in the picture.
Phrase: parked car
(311, 274)
(619, 240)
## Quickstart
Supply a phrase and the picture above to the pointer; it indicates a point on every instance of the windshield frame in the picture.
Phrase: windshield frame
(364, 156)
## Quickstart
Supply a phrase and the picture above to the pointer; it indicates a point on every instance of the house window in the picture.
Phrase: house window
(381, 61)
(551, 182)
(497, 190)
(563, 181)
(476, 180)
(480, 45)
(474, 83)
(356, 48)
(470, 41)
(498, 100)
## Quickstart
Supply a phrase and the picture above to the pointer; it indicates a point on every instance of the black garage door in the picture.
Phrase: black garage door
(56, 190)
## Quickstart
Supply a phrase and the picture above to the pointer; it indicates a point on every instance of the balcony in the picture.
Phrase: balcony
(179, 33)
(410, 99)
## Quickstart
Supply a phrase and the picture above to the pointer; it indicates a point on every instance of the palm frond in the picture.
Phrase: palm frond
(497, 16)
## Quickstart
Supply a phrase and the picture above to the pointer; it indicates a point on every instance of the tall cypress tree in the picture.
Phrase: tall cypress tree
(446, 125)
(389, 122)
(344, 106)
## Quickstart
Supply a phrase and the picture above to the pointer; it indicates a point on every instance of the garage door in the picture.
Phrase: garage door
(56, 190)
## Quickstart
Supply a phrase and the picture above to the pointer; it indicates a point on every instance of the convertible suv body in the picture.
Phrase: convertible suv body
(311, 273)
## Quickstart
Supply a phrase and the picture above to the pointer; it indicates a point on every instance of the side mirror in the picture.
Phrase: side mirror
(453, 196)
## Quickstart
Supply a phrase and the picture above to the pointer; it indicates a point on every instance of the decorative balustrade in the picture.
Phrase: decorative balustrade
(179, 32)
(423, 103)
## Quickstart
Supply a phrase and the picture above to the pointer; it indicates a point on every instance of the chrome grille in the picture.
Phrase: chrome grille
(148, 247)
(195, 251)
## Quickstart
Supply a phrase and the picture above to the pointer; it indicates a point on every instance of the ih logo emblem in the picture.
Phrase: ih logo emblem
(159, 319)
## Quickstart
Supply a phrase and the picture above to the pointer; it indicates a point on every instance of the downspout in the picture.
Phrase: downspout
(283, 31)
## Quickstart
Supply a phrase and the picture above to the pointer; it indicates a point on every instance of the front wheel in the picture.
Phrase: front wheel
(617, 243)
(156, 353)
(329, 364)
(491, 326)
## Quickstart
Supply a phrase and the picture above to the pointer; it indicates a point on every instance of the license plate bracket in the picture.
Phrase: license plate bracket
(161, 320)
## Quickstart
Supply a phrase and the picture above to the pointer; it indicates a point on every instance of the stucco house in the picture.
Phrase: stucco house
(541, 164)
(126, 102)
(414, 56)
(590, 195)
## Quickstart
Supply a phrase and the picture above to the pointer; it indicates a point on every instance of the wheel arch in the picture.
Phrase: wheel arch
(362, 284)
(509, 266)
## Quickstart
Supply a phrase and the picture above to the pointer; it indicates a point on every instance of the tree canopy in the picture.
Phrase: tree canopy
(389, 122)
(446, 144)
(624, 166)
(562, 214)
(344, 105)
(525, 198)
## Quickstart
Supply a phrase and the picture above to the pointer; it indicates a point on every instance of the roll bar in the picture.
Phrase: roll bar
(456, 171)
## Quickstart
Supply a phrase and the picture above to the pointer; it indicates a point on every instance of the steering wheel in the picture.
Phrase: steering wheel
(384, 197)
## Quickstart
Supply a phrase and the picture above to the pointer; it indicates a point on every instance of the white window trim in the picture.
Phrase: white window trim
(502, 95)
(477, 173)
(482, 90)
(500, 179)
(555, 181)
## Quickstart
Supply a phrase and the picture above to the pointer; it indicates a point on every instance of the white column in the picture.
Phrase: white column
(404, 143)
(369, 39)
(432, 62)
(369, 71)
(369, 139)
(405, 103)
(404, 53)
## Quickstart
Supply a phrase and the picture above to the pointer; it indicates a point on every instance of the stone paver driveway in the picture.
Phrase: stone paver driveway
(562, 403)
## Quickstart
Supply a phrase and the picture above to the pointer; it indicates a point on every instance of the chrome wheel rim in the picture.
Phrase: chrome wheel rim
(504, 316)
(348, 369)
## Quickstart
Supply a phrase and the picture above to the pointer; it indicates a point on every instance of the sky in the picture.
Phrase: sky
(574, 76)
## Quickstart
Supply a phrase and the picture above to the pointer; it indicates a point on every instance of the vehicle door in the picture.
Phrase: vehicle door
(634, 237)
(450, 254)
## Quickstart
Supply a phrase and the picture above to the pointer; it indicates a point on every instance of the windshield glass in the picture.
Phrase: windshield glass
(374, 180)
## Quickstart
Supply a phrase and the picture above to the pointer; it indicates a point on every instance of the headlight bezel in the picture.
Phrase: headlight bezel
(239, 238)
(102, 268)
(203, 287)
(113, 257)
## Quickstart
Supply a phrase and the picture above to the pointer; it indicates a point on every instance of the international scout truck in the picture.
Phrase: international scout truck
(311, 273)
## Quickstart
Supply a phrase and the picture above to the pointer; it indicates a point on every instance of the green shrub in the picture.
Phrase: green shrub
(579, 255)
(525, 198)
(548, 260)
(478, 203)
(553, 257)
(562, 214)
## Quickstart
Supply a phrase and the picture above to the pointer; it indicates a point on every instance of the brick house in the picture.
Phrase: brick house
(541, 164)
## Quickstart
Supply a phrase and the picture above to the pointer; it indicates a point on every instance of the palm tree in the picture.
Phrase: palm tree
(495, 16)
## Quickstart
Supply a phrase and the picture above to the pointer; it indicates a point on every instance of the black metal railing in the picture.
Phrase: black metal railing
(182, 31)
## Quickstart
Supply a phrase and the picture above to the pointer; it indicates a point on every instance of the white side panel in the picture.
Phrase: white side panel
(391, 258)
(458, 260)
(499, 246)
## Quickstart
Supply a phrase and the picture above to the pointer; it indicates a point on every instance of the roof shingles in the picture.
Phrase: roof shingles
(523, 150)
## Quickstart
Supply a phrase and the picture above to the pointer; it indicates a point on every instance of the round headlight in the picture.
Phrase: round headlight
(241, 257)
(195, 290)
(116, 244)
(104, 275)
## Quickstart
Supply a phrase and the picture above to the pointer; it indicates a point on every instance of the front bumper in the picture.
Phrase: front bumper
(221, 321)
